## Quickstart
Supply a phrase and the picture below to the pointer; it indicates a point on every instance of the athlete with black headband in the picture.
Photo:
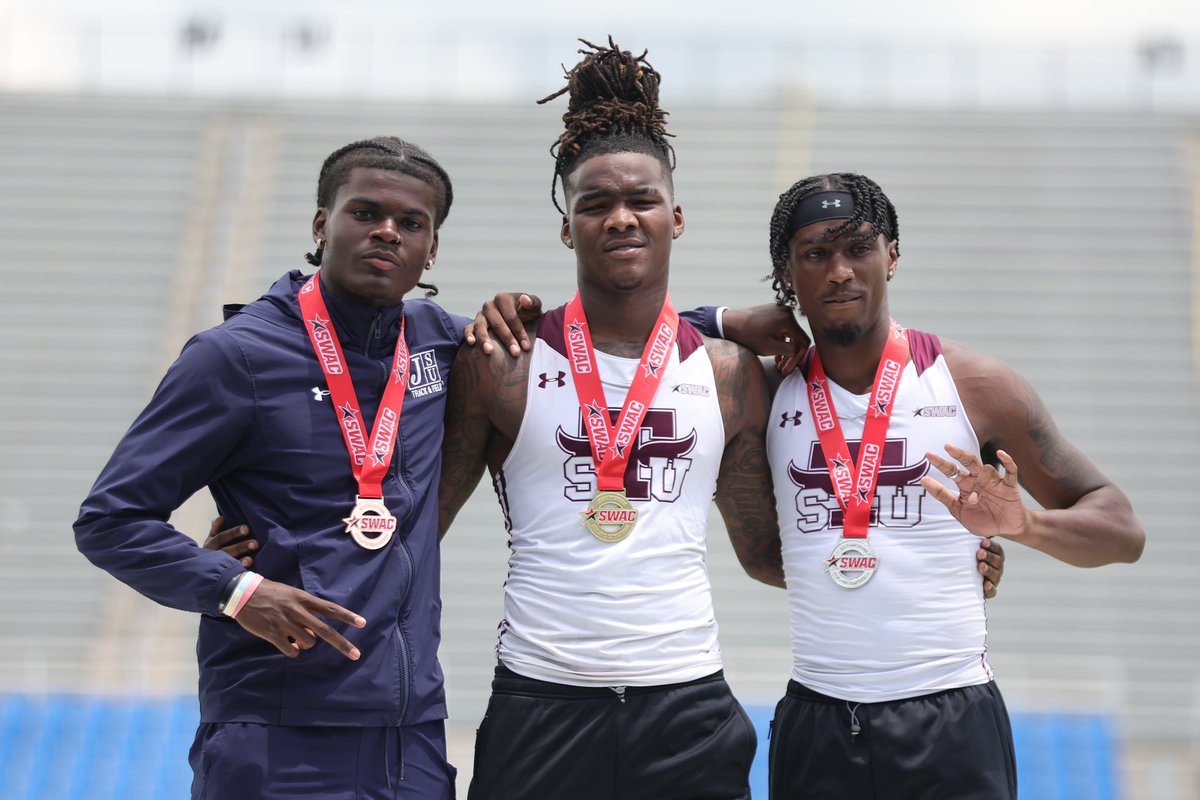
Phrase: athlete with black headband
(903, 449)
(607, 442)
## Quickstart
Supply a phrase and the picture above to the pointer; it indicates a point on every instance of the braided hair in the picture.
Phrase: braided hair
(870, 203)
(389, 153)
(613, 108)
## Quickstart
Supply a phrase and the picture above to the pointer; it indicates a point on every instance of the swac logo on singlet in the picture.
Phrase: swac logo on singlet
(898, 491)
(657, 466)
(424, 377)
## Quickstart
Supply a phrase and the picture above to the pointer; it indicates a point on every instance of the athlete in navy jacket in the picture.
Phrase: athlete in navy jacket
(245, 411)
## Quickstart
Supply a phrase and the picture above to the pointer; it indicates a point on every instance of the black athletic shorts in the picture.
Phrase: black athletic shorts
(955, 745)
(546, 741)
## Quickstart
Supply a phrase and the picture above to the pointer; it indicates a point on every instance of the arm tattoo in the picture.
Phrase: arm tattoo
(744, 493)
(484, 407)
(465, 439)
(747, 505)
(1062, 461)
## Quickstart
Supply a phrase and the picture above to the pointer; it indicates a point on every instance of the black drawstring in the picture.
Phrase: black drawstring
(400, 743)
(387, 761)
(387, 756)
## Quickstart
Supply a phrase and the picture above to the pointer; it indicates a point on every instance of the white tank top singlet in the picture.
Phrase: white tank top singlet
(637, 612)
(918, 625)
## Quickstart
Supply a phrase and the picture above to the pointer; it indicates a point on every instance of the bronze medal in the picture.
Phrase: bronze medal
(370, 524)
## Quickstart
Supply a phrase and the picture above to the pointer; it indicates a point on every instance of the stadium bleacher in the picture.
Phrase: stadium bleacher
(67, 747)
(1061, 242)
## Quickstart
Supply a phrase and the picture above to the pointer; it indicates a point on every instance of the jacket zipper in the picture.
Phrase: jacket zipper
(405, 656)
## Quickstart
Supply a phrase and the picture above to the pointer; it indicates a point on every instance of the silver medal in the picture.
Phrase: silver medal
(852, 563)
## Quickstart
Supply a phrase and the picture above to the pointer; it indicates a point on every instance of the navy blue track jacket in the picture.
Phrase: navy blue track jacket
(242, 411)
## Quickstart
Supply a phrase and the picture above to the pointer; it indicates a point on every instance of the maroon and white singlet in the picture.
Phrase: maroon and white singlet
(918, 625)
(634, 612)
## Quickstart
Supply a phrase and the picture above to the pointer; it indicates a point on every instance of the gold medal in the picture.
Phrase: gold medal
(610, 517)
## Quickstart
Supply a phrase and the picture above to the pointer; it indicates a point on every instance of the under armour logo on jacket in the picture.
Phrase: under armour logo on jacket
(319, 394)
(793, 418)
(559, 380)
(835, 203)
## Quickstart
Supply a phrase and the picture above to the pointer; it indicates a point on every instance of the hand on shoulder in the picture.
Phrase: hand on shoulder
(509, 318)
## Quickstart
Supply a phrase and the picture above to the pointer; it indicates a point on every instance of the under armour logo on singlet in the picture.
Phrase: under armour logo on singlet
(319, 394)
(559, 380)
(793, 418)
(835, 203)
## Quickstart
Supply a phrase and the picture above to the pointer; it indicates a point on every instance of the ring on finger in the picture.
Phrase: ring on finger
(956, 474)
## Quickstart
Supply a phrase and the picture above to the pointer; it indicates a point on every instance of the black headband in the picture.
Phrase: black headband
(820, 207)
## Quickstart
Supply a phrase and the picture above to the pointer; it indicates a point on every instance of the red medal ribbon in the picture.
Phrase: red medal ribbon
(611, 460)
(854, 486)
(369, 459)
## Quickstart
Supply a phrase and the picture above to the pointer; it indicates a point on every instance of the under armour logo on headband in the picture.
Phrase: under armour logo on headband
(822, 207)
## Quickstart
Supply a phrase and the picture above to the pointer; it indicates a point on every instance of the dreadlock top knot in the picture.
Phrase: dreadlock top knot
(612, 107)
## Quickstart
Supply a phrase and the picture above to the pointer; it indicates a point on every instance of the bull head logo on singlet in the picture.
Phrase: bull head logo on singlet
(898, 492)
(657, 466)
